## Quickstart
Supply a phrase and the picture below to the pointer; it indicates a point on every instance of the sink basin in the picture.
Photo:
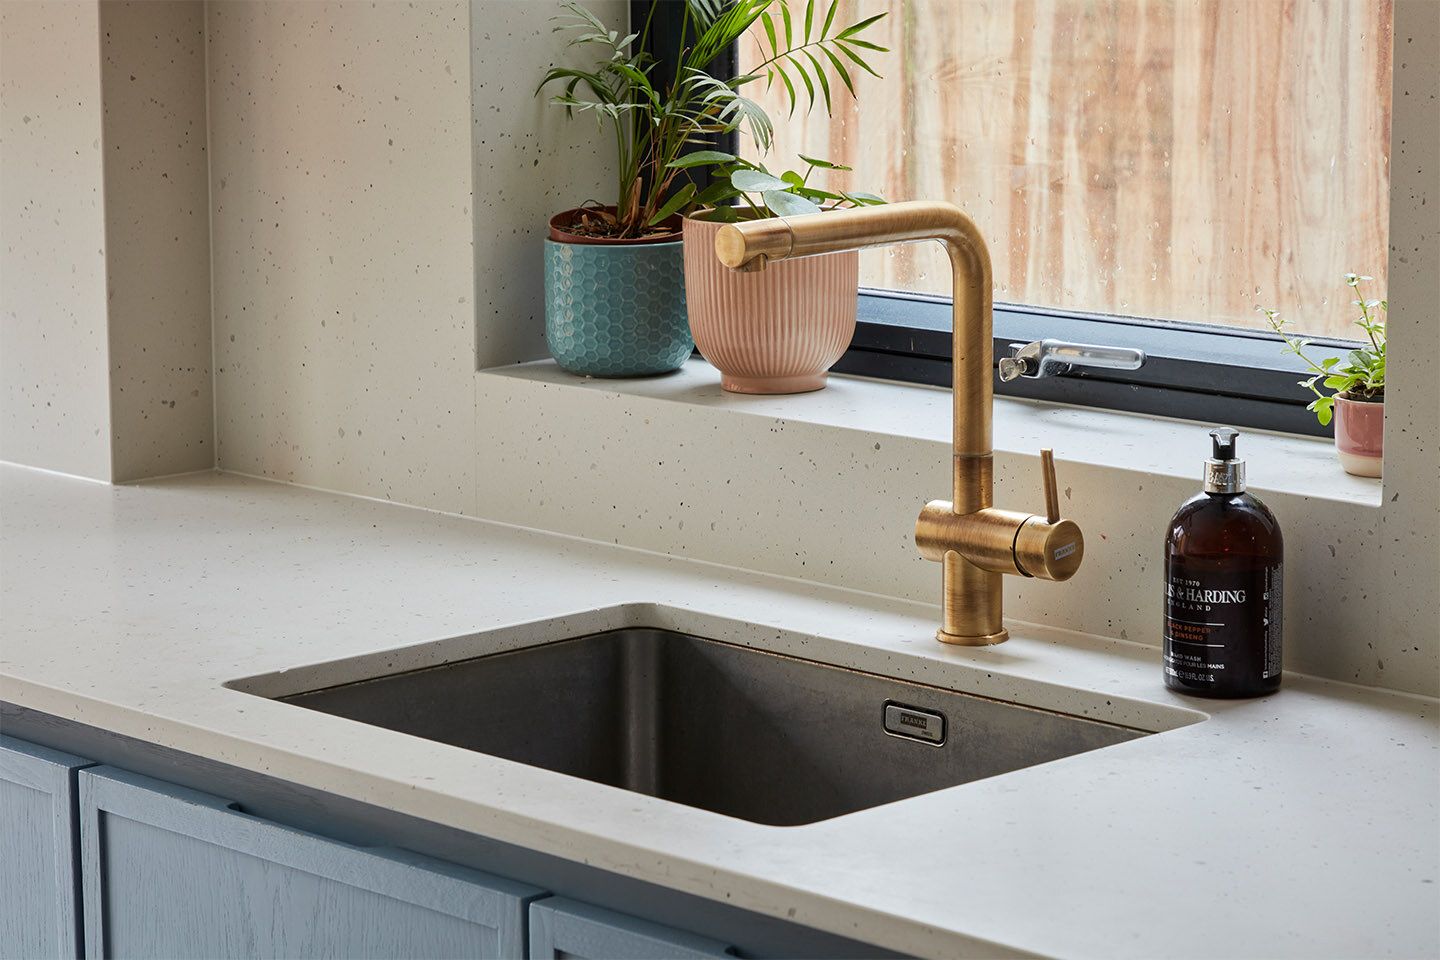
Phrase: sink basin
(741, 732)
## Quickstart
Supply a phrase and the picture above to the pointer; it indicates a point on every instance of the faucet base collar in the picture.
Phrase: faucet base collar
(984, 640)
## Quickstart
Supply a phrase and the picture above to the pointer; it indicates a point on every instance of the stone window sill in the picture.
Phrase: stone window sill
(1277, 463)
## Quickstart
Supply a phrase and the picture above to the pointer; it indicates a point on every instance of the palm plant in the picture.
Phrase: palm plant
(653, 124)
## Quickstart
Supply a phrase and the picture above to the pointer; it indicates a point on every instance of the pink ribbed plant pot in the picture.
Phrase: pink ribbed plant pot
(777, 330)
(1359, 432)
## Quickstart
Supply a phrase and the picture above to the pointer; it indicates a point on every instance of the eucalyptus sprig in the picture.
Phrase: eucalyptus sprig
(653, 124)
(1361, 375)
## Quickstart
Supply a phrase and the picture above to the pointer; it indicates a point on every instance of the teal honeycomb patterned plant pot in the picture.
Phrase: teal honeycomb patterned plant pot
(616, 310)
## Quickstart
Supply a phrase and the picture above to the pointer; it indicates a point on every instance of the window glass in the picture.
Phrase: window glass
(1172, 159)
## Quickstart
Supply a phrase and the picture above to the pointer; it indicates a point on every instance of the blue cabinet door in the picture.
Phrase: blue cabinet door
(171, 872)
(39, 911)
(561, 929)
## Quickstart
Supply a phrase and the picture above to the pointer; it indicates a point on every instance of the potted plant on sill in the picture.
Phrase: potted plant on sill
(781, 329)
(1358, 404)
(614, 277)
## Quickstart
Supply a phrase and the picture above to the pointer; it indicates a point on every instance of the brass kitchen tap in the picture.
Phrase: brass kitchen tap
(974, 541)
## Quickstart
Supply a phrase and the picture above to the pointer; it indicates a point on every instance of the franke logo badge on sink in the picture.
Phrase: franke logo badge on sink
(926, 726)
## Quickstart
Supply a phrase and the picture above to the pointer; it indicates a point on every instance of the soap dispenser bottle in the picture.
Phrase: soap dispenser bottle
(1223, 555)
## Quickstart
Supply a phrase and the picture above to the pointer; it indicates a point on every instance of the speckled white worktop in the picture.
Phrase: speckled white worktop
(1301, 825)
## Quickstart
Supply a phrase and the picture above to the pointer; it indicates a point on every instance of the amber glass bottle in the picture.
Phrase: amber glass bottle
(1223, 557)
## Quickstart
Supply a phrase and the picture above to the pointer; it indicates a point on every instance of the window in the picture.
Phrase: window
(1146, 173)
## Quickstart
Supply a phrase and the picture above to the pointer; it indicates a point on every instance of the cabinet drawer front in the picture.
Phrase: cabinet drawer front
(173, 872)
(561, 929)
(39, 913)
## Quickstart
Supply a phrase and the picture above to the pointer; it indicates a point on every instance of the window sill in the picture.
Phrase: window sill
(1276, 463)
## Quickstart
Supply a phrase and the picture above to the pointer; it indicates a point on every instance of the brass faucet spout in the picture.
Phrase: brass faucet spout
(740, 245)
(759, 241)
(974, 542)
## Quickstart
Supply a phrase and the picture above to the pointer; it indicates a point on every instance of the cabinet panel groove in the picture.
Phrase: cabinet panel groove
(562, 929)
(40, 913)
(171, 871)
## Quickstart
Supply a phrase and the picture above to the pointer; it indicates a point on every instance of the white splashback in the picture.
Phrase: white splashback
(157, 214)
(54, 359)
(341, 190)
(349, 298)
(379, 178)
(104, 263)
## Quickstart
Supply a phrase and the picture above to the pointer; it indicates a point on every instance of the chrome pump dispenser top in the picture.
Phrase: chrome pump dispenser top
(1223, 473)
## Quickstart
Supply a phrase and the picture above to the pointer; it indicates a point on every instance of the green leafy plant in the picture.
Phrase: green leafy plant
(653, 124)
(762, 194)
(1361, 374)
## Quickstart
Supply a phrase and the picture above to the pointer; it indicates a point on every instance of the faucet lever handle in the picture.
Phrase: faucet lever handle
(1052, 548)
(1052, 496)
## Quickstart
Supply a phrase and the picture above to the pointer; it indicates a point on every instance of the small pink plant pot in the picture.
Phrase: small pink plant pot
(1359, 429)
(777, 330)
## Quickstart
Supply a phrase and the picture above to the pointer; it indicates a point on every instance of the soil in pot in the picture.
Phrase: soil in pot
(597, 225)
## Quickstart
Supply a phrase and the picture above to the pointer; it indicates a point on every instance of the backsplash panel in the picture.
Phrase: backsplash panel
(379, 177)
(657, 469)
(341, 215)
(157, 221)
(356, 273)
(530, 163)
(54, 368)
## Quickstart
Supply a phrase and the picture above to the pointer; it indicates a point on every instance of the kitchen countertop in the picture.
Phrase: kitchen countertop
(1304, 824)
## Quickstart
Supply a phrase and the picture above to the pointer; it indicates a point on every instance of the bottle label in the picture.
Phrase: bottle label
(1222, 630)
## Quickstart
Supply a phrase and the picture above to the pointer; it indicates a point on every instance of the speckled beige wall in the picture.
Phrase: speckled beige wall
(530, 163)
(1406, 563)
(345, 350)
(157, 217)
(54, 365)
(837, 504)
(355, 291)
(106, 285)
(340, 145)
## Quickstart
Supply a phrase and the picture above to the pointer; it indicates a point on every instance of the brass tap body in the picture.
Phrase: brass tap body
(974, 542)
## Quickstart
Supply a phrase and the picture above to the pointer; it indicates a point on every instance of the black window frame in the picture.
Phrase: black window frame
(1193, 371)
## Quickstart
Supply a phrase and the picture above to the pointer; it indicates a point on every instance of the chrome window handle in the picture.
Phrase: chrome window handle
(1048, 358)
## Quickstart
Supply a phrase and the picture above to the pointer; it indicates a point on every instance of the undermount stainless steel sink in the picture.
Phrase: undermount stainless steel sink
(741, 732)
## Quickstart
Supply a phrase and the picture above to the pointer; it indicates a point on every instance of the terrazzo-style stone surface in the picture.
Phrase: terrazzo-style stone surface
(358, 276)
(1410, 521)
(106, 284)
(157, 212)
(827, 486)
(1305, 824)
(530, 163)
(372, 402)
(344, 317)
(54, 364)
